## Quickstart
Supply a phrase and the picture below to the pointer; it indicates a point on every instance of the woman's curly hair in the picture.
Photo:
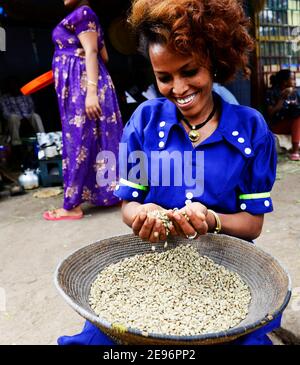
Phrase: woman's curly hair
(216, 30)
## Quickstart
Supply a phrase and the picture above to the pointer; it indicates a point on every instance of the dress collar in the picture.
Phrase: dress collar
(230, 127)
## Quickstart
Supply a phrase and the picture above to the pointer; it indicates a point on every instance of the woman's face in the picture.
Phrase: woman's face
(289, 83)
(183, 80)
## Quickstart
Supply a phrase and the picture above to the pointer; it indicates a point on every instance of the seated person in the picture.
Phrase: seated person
(283, 109)
(15, 108)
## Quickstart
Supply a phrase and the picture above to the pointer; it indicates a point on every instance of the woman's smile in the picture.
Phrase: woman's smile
(184, 80)
(186, 101)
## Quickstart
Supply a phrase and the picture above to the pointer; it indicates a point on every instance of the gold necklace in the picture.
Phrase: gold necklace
(194, 135)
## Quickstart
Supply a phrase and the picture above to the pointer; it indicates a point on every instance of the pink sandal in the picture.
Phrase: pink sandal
(294, 157)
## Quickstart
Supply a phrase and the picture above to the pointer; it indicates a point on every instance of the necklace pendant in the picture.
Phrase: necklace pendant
(194, 135)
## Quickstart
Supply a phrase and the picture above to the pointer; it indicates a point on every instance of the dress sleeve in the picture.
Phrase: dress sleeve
(259, 177)
(133, 163)
(84, 20)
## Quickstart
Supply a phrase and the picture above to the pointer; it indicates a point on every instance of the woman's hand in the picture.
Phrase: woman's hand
(287, 92)
(190, 221)
(149, 228)
(92, 106)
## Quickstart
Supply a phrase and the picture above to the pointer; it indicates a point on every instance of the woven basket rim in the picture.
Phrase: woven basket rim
(240, 330)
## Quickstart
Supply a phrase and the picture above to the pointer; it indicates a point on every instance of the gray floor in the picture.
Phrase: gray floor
(32, 311)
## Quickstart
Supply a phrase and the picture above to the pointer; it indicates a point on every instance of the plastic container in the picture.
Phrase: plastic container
(51, 172)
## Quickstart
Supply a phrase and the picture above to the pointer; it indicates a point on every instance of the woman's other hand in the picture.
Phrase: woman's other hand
(92, 106)
(190, 221)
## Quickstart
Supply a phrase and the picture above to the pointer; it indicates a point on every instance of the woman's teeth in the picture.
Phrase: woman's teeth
(186, 100)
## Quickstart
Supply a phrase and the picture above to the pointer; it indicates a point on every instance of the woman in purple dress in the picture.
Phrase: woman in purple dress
(90, 115)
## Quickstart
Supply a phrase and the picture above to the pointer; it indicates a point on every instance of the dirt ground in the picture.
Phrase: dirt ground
(31, 309)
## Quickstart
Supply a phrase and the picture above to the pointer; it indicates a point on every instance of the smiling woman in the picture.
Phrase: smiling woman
(191, 44)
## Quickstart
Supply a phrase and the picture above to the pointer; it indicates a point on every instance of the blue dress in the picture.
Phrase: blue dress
(237, 169)
(233, 170)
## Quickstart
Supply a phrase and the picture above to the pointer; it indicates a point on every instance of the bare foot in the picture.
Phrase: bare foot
(61, 212)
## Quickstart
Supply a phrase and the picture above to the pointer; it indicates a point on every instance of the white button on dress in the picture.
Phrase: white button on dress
(189, 195)
(241, 140)
(162, 124)
(243, 206)
(247, 151)
(135, 194)
(161, 134)
(161, 144)
(235, 133)
(267, 203)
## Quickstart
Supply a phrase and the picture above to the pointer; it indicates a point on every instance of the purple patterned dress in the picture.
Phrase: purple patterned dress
(84, 138)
